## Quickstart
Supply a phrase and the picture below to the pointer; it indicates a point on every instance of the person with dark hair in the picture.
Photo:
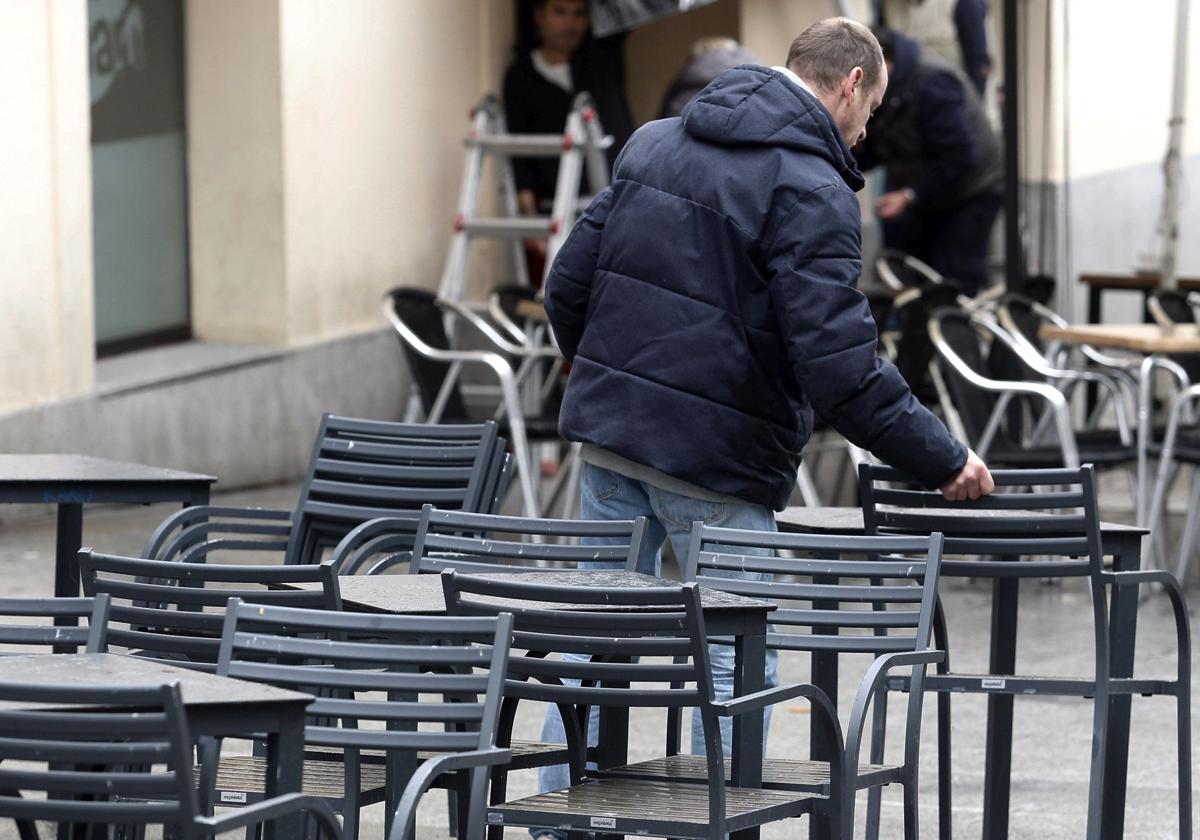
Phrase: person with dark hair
(942, 160)
(540, 87)
(707, 302)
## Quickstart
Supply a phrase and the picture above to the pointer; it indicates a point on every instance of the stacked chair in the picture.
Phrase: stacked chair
(514, 357)
(1021, 532)
(359, 470)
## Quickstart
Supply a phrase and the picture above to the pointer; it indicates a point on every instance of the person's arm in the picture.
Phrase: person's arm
(972, 40)
(569, 284)
(825, 323)
(949, 145)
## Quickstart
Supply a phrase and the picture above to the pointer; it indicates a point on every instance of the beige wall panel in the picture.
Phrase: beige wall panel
(45, 229)
(769, 26)
(656, 52)
(376, 97)
(235, 171)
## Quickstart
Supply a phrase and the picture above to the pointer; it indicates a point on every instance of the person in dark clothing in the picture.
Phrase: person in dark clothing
(540, 86)
(943, 164)
(707, 302)
(956, 30)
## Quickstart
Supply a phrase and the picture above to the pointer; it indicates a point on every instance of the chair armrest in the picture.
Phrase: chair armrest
(371, 537)
(494, 335)
(273, 808)
(1183, 621)
(767, 697)
(427, 773)
(204, 515)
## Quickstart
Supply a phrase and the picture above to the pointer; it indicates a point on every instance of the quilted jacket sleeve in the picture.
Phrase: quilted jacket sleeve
(814, 259)
(569, 284)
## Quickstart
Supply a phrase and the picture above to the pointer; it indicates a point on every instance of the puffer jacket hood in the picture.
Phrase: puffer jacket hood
(756, 106)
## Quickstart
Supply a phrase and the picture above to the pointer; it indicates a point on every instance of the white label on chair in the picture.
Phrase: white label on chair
(238, 796)
(496, 819)
(603, 822)
(992, 683)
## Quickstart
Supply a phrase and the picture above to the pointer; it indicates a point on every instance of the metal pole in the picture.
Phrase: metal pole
(1014, 260)
(1168, 224)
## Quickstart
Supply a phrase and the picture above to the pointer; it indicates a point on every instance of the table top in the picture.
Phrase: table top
(1133, 281)
(84, 469)
(849, 520)
(422, 594)
(196, 688)
(1141, 338)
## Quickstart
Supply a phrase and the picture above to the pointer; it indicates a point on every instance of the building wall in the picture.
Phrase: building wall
(45, 217)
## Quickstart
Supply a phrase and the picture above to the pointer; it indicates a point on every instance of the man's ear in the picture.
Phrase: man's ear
(854, 83)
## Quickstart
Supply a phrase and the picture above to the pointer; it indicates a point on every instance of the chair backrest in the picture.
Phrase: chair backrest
(434, 669)
(913, 349)
(366, 469)
(900, 271)
(1021, 520)
(474, 542)
(170, 610)
(843, 594)
(19, 636)
(418, 311)
(960, 347)
(122, 752)
(1173, 305)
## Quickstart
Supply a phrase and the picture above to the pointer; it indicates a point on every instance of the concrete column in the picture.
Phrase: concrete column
(45, 226)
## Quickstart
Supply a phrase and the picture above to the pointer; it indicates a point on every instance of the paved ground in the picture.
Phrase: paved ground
(1052, 736)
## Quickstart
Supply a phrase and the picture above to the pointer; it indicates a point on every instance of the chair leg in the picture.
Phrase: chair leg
(945, 791)
(878, 734)
(1096, 777)
(912, 829)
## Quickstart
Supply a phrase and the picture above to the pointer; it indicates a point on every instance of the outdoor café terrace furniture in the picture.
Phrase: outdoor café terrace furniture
(837, 595)
(174, 611)
(476, 542)
(431, 670)
(981, 402)
(419, 318)
(34, 686)
(1022, 532)
(72, 481)
(18, 635)
(1181, 445)
(359, 470)
(626, 670)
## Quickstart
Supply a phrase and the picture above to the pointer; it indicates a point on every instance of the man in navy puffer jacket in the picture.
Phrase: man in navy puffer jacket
(707, 303)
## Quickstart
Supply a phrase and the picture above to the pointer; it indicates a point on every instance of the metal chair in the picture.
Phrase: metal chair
(359, 470)
(1181, 445)
(1030, 533)
(837, 596)
(419, 318)
(23, 635)
(163, 609)
(979, 404)
(123, 753)
(625, 670)
(475, 542)
(447, 671)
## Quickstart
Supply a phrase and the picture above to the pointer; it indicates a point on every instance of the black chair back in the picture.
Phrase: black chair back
(21, 637)
(419, 311)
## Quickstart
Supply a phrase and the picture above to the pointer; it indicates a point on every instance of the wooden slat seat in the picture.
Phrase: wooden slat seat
(667, 808)
(778, 773)
(521, 751)
(241, 780)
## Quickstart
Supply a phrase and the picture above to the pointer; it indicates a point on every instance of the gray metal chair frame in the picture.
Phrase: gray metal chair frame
(852, 595)
(163, 609)
(433, 669)
(63, 638)
(1029, 533)
(476, 542)
(359, 470)
(1181, 445)
(103, 746)
(625, 670)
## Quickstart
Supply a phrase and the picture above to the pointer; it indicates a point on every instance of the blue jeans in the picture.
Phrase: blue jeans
(608, 495)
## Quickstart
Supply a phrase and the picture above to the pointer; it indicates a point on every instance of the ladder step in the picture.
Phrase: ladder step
(520, 145)
(526, 227)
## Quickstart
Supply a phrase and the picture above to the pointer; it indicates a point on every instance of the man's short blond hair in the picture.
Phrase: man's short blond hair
(825, 53)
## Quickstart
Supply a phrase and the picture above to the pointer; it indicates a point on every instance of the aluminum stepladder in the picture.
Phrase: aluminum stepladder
(582, 144)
